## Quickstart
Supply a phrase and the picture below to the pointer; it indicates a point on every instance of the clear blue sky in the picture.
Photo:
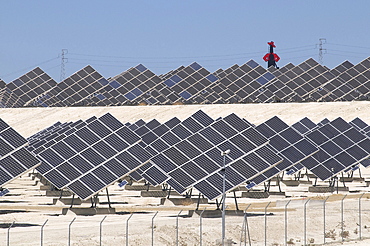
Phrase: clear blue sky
(113, 36)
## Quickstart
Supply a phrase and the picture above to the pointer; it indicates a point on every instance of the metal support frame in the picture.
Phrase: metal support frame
(308, 177)
(278, 182)
(344, 183)
(189, 193)
(218, 205)
(73, 199)
(109, 204)
(236, 201)
(94, 201)
(198, 201)
(169, 192)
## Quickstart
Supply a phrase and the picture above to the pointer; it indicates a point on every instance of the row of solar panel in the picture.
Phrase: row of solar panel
(87, 156)
(308, 81)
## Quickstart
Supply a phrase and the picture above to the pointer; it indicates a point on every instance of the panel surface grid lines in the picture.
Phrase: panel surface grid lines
(15, 159)
(95, 150)
(218, 135)
(341, 146)
(287, 143)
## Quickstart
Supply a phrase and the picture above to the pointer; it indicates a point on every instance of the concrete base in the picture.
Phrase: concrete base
(256, 194)
(326, 189)
(309, 175)
(358, 179)
(68, 201)
(45, 187)
(89, 211)
(215, 213)
(184, 201)
(276, 193)
(159, 193)
(290, 182)
(154, 193)
(142, 187)
(57, 193)
(227, 242)
(306, 182)
(345, 179)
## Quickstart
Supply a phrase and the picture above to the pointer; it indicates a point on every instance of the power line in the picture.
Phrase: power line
(352, 46)
(27, 68)
(190, 57)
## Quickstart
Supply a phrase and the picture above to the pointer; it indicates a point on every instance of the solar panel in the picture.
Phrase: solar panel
(286, 143)
(77, 160)
(341, 146)
(221, 135)
(26, 88)
(15, 160)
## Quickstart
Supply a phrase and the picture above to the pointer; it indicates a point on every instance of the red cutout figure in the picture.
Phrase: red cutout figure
(271, 58)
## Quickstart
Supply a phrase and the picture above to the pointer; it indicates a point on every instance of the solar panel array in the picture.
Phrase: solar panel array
(341, 146)
(15, 159)
(26, 88)
(193, 84)
(86, 156)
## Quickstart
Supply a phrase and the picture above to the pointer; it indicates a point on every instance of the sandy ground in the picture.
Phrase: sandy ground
(28, 121)
(35, 208)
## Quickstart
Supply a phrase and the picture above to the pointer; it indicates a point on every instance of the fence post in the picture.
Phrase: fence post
(101, 229)
(42, 233)
(177, 228)
(359, 215)
(342, 216)
(127, 228)
(268, 204)
(286, 222)
(200, 227)
(246, 227)
(153, 227)
(305, 222)
(324, 217)
(69, 231)
(8, 235)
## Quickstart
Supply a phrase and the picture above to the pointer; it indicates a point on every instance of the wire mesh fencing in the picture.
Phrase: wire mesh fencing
(296, 221)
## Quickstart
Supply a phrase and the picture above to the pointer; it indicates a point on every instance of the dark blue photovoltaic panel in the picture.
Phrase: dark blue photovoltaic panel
(202, 118)
(13, 138)
(176, 186)
(339, 152)
(186, 95)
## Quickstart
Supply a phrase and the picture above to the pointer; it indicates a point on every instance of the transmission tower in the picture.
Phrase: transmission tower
(322, 41)
(62, 65)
